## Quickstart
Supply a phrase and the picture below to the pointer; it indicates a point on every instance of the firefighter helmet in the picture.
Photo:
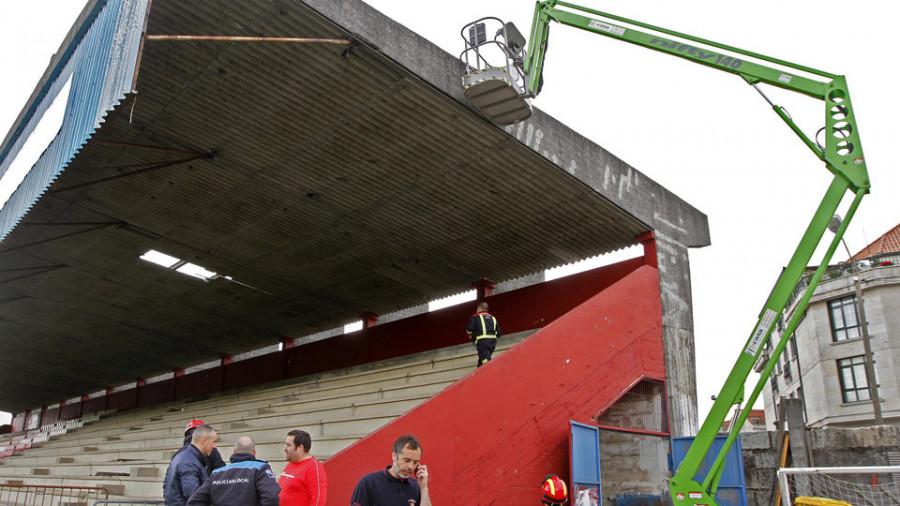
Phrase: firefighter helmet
(553, 490)
(193, 424)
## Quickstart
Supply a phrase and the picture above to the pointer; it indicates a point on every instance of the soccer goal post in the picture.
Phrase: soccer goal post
(839, 486)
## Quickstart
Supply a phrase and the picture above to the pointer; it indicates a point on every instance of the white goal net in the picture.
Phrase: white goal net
(839, 486)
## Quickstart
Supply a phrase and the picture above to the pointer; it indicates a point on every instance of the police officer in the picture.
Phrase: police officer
(246, 481)
(484, 330)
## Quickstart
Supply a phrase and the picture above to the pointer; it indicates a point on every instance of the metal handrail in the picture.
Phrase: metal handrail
(47, 495)
(151, 502)
(839, 270)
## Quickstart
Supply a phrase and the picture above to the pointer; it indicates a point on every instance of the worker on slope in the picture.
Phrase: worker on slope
(484, 330)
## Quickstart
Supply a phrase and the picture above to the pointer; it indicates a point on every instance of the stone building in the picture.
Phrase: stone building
(824, 363)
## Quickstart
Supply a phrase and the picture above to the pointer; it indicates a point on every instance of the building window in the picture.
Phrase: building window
(773, 380)
(854, 383)
(844, 322)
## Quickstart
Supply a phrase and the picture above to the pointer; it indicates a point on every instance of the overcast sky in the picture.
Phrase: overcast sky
(703, 134)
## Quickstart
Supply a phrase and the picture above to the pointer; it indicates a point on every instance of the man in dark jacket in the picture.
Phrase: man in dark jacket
(187, 471)
(244, 482)
(483, 330)
(214, 460)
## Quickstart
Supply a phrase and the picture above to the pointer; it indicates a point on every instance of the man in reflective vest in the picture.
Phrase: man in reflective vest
(484, 330)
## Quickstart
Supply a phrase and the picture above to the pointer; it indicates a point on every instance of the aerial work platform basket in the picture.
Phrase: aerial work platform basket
(494, 82)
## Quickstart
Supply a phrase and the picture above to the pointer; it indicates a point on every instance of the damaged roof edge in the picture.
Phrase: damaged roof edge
(588, 162)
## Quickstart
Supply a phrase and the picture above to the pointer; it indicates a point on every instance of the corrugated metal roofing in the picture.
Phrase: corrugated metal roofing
(99, 62)
(325, 180)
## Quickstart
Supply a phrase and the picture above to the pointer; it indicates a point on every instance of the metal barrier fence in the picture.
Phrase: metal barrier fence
(49, 495)
(159, 502)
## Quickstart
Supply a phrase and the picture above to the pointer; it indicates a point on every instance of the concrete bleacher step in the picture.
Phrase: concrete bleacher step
(321, 384)
(131, 451)
(268, 404)
(321, 380)
(393, 401)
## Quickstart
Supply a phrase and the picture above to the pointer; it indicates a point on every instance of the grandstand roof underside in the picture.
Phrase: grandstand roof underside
(324, 182)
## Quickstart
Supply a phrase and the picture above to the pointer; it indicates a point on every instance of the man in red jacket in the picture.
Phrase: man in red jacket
(303, 482)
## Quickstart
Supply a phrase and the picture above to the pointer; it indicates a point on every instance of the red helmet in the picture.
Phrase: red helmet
(193, 424)
(553, 490)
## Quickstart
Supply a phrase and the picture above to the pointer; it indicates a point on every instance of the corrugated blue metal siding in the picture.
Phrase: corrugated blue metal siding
(100, 61)
(733, 484)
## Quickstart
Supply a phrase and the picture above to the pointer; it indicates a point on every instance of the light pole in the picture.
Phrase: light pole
(864, 325)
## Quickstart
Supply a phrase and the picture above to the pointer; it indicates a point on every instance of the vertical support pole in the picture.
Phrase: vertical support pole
(369, 319)
(867, 342)
(224, 359)
(139, 387)
(792, 411)
(286, 344)
(483, 288)
(648, 240)
(178, 373)
(109, 392)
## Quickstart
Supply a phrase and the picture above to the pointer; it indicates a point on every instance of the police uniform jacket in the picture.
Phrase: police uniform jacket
(245, 481)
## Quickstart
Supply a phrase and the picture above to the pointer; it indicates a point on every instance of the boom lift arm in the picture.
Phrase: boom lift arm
(503, 95)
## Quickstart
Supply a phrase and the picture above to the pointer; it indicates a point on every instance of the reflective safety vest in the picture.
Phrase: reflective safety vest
(484, 318)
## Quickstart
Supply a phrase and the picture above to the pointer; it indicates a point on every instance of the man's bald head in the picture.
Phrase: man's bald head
(245, 445)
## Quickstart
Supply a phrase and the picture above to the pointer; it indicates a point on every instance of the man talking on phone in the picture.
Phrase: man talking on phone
(403, 483)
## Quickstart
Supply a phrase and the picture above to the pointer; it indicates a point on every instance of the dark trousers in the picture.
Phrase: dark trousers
(485, 347)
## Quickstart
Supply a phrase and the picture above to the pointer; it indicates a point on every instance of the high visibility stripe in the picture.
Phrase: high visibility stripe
(484, 332)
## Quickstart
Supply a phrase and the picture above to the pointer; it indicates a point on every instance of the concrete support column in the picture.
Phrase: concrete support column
(678, 335)
(483, 288)
(792, 411)
(648, 240)
(369, 319)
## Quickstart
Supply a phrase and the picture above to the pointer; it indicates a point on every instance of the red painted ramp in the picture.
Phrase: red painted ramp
(492, 436)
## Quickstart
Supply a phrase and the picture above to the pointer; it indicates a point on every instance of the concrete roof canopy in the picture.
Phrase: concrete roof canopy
(317, 180)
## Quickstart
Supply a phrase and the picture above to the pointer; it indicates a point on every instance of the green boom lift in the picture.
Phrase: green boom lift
(502, 78)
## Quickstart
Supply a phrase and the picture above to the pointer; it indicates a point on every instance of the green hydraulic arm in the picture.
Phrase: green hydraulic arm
(841, 154)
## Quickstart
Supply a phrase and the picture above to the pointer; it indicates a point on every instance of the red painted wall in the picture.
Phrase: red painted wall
(49, 416)
(70, 411)
(492, 436)
(157, 393)
(126, 399)
(254, 371)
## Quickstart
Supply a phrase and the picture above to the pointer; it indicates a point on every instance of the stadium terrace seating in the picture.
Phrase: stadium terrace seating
(128, 452)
